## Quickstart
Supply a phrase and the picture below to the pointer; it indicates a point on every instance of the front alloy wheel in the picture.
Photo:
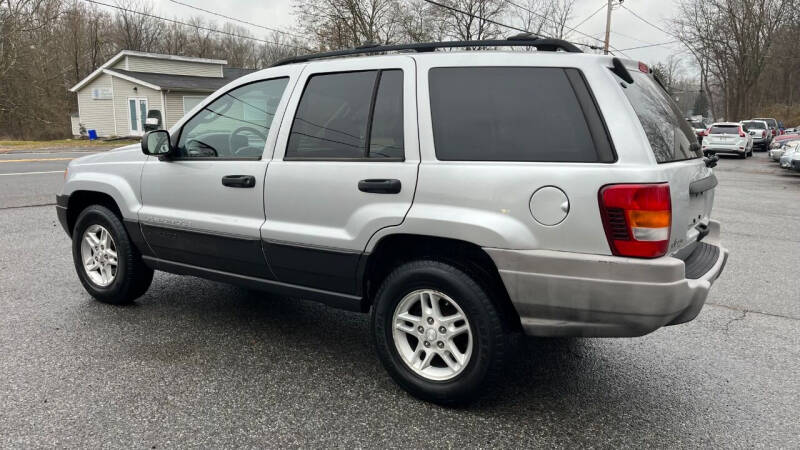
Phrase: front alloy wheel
(99, 255)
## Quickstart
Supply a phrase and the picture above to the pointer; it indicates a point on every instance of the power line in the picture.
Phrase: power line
(238, 20)
(652, 45)
(441, 5)
(591, 15)
(646, 21)
(199, 27)
(565, 26)
(497, 23)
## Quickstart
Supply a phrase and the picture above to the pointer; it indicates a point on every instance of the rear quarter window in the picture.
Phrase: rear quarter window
(542, 114)
(670, 136)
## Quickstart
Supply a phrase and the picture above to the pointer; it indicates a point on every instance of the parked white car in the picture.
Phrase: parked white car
(777, 152)
(791, 154)
(729, 138)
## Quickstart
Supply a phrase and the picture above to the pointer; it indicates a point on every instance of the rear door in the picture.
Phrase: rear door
(679, 157)
(345, 166)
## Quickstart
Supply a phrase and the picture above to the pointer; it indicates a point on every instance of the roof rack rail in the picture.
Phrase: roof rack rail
(519, 40)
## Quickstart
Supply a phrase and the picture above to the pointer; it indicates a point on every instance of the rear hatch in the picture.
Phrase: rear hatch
(723, 134)
(679, 157)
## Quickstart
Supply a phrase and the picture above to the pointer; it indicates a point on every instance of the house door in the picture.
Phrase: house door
(137, 113)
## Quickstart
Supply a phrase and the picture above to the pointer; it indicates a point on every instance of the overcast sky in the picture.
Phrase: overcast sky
(628, 31)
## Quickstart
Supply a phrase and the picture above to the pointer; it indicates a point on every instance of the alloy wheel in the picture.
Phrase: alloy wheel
(432, 334)
(99, 255)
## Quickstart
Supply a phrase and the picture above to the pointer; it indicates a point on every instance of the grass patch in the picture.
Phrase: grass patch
(63, 143)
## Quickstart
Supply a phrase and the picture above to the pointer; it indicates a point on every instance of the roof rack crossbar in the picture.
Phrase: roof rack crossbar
(540, 44)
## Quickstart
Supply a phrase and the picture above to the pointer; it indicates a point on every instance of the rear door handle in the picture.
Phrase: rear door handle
(380, 186)
(239, 181)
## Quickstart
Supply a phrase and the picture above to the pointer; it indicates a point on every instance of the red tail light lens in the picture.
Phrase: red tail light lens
(741, 132)
(774, 132)
(764, 134)
(637, 218)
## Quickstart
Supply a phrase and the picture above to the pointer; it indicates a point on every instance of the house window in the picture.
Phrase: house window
(190, 101)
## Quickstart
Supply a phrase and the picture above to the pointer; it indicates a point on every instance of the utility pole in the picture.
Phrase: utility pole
(608, 27)
(608, 24)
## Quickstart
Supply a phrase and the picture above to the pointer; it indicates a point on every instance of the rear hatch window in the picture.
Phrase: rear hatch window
(725, 129)
(670, 136)
(755, 125)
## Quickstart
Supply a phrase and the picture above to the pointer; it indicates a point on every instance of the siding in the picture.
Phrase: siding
(121, 63)
(140, 64)
(96, 114)
(175, 105)
(123, 89)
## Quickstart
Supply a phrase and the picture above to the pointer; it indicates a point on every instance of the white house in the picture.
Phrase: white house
(115, 99)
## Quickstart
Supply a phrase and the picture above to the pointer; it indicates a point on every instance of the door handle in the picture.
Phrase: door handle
(239, 181)
(380, 186)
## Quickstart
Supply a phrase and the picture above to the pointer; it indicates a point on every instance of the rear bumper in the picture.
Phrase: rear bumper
(571, 294)
(733, 150)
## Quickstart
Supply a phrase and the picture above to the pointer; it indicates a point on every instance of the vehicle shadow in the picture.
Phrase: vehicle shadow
(217, 325)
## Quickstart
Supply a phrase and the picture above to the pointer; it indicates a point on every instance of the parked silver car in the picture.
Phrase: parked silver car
(778, 151)
(791, 152)
(759, 131)
(390, 184)
(728, 138)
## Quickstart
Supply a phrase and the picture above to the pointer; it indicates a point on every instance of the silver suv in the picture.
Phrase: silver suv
(426, 188)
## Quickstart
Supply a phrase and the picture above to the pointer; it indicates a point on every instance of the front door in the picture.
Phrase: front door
(345, 166)
(137, 114)
(205, 206)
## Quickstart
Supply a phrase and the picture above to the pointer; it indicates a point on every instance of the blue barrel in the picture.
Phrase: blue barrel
(92, 135)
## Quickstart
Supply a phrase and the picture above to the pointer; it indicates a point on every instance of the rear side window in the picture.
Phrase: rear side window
(724, 129)
(670, 136)
(349, 115)
(515, 114)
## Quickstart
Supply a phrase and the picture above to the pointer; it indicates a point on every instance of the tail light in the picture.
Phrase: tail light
(707, 132)
(741, 132)
(637, 218)
(764, 134)
(774, 132)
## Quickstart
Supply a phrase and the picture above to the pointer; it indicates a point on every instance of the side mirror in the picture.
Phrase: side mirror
(156, 143)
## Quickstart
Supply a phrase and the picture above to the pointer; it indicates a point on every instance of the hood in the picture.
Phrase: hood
(126, 153)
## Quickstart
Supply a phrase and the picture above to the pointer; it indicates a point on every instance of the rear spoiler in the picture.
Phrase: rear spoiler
(619, 70)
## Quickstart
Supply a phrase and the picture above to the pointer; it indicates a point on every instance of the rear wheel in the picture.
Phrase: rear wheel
(437, 332)
(108, 265)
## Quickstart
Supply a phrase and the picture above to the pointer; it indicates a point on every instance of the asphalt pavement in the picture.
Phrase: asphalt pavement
(201, 364)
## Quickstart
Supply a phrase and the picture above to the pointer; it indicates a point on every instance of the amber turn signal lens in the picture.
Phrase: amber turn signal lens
(649, 219)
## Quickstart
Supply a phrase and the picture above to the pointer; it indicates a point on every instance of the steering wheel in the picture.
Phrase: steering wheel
(201, 149)
(239, 130)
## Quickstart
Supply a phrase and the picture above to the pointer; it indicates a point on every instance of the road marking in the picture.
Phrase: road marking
(29, 173)
(35, 160)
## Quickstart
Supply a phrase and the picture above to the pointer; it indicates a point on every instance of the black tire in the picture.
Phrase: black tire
(132, 278)
(491, 342)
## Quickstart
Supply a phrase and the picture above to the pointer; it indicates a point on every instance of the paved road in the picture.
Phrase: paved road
(32, 178)
(196, 363)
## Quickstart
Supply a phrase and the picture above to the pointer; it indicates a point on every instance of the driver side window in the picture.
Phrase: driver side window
(235, 125)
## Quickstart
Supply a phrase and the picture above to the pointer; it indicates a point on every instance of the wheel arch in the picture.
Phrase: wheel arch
(393, 250)
(81, 199)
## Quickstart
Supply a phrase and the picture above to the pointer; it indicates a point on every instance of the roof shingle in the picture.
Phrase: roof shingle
(187, 82)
